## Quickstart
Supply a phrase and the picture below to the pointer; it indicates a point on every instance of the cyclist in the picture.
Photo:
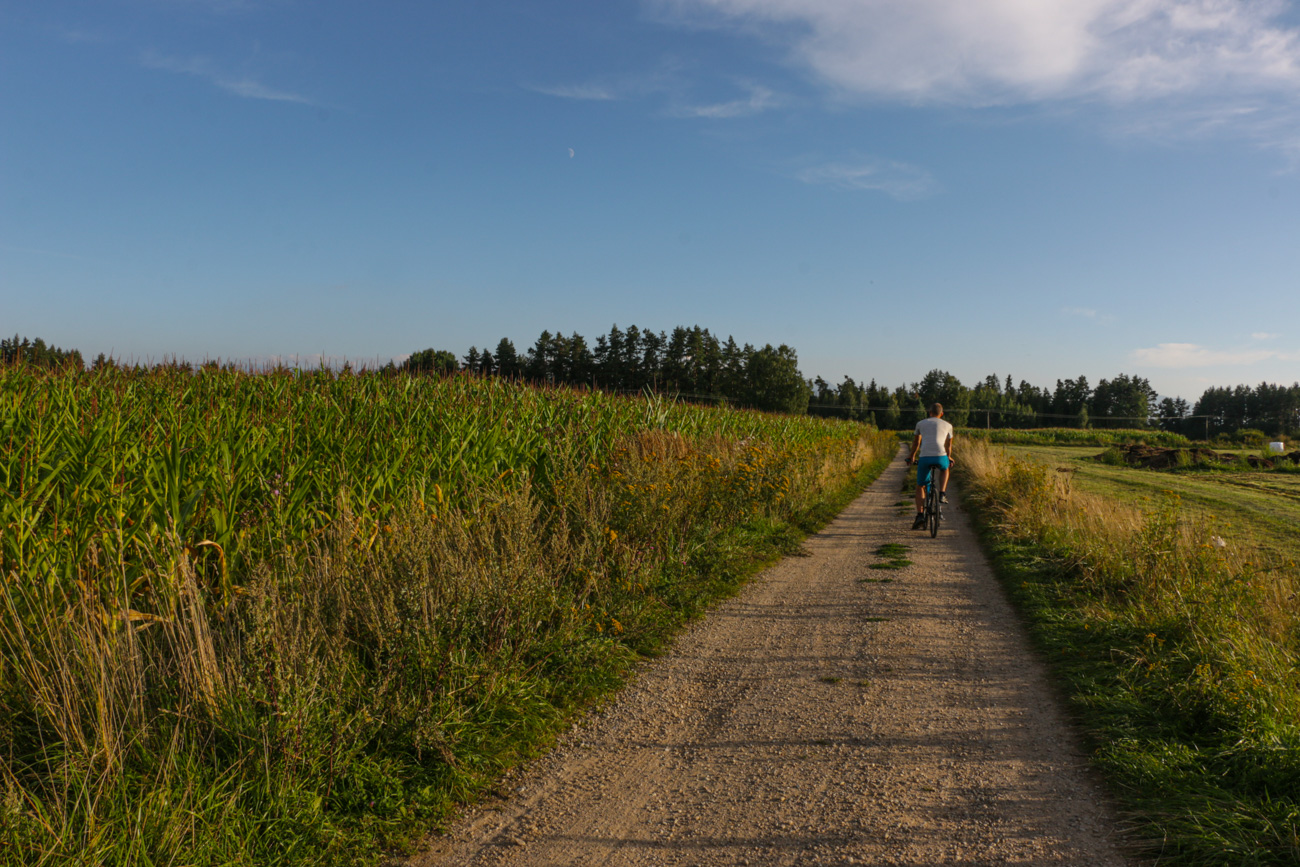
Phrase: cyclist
(933, 442)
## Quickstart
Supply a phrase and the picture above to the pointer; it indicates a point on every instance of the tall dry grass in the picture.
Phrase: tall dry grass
(1162, 563)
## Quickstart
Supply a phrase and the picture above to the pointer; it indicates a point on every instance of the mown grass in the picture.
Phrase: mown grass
(422, 582)
(1176, 639)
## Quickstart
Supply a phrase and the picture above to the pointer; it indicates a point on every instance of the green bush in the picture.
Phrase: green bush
(1250, 438)
(1112, 457)
(1067, 436)
(1242, 438)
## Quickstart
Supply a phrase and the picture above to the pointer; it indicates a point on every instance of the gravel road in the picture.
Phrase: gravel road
(823, 716)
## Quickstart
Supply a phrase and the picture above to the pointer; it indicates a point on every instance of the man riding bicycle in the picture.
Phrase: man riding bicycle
(933, 442)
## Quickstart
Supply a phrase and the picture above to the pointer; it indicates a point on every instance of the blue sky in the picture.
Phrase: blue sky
(1092, 187)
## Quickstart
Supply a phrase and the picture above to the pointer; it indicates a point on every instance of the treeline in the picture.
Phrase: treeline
(690, 362)
(37, 352)
(1125, 401)
(695, 364)
(1266, 407)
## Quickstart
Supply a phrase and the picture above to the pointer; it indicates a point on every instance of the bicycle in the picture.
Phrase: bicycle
(933, 509)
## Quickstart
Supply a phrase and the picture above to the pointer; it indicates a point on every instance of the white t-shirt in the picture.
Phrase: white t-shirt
(934, 433)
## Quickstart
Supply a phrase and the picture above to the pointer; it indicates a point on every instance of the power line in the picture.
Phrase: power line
(1003, 411)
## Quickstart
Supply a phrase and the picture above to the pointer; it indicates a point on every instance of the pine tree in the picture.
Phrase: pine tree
(508, 360)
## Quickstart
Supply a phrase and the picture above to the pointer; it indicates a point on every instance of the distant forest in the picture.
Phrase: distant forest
(695, 364)
(37, 352)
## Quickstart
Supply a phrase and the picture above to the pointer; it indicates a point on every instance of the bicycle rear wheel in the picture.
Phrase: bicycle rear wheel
(932, 511)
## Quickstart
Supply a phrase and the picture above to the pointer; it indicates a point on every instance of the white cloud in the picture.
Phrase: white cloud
(1178, 355)
(1206, 63)
(202, 67)
(980, 51)
(899, 180)
(1264, 335)
(760, 99)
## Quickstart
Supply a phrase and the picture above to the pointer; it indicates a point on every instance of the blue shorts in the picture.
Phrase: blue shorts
(923, 468)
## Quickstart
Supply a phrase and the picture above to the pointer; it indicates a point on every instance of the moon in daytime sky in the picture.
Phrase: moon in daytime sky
(570, 153)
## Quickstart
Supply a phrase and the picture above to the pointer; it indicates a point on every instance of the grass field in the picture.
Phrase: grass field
(1260, 510)
(1166, 604)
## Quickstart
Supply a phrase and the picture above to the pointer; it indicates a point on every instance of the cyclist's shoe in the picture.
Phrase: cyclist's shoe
(919, 523)
(943, 497)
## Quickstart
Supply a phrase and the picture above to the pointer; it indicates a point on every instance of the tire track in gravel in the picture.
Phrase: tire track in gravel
(820, 718)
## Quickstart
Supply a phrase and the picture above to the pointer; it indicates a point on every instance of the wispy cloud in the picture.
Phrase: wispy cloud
(239, 85)
(664, 78)
(668, 83)
(1179, 355)
(1088, 313)
(1226, 61)
(34, 251)
(896, 179)
(760, 99)
(221, 7)
(82, 36)
(1264, 335)
(597, 92)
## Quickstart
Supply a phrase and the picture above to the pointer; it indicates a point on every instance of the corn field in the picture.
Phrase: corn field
(334, 604)
(117, 473)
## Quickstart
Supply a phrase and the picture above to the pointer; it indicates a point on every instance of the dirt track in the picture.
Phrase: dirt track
(820, 717)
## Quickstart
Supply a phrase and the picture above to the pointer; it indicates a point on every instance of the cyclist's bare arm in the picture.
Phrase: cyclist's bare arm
(916, 447)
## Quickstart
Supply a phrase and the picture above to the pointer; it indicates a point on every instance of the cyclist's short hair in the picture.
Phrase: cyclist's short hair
(936, 408)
